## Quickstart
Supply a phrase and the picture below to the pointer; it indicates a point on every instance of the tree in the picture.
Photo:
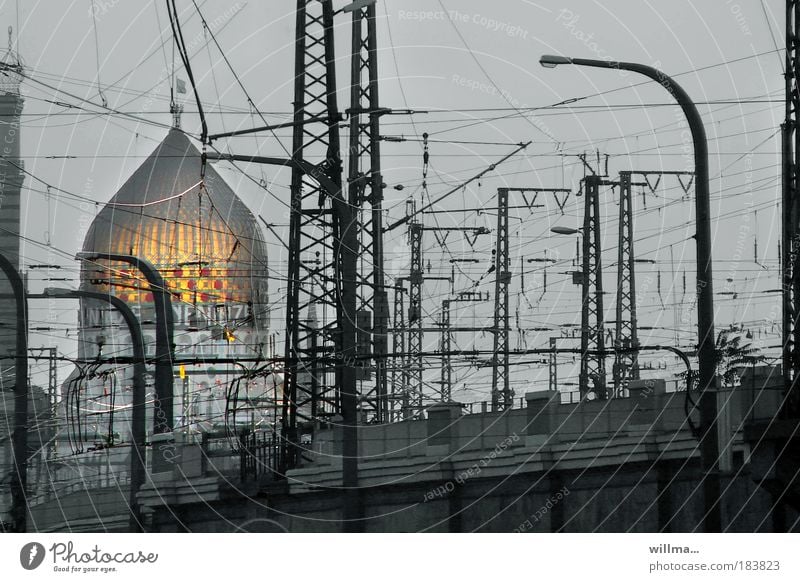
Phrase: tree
(735, 351)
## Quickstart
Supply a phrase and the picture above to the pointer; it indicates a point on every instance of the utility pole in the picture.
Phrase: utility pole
(415, 327)
(400, 390)
(313, 269)
(446, 346)
(322, 222)
(790, 231)
(626, 363)
(706, 336)
(323, 244)
(593, 360)
(415, 334)
(365, 184)
(52, 392)
(447, 337)
(502, 395)
(552, 368)
(553, 360)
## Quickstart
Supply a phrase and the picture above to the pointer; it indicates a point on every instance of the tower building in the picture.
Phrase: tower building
(11, 178)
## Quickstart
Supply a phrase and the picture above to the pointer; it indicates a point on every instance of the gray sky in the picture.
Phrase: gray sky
(472, 66)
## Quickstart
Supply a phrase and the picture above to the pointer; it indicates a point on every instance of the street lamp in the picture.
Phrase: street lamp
(564, 230)
(577, 276)
(165, 324)
(569, 231)
(709, 441)
(551, 61)
(138, 428)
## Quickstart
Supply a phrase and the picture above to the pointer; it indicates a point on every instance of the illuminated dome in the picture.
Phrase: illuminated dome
(199, 234)
(208, 247)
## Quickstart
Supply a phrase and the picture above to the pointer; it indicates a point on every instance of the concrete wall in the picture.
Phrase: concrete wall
(624, 465)
(631, 498)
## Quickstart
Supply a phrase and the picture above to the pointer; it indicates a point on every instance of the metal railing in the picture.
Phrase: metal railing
(485, 406)
(259, 454)
(86, 483)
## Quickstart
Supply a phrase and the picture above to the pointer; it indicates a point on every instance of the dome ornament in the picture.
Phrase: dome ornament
(176, 110)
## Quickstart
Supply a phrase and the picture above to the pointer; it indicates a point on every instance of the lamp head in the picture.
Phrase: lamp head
(552, 61)
(564, 230)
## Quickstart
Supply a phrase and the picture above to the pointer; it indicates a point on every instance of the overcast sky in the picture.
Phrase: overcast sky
(467, 68)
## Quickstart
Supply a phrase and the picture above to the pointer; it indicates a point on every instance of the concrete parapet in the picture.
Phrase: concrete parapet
(165, 453)
(542, 408)
(442, 423)
(646, 399)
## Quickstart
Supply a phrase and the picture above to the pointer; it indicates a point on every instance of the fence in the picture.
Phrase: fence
(259, 453)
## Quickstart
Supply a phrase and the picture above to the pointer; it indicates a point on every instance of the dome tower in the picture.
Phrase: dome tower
(208, 247)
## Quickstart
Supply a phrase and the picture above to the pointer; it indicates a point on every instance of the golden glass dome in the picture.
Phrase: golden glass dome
(199, 235)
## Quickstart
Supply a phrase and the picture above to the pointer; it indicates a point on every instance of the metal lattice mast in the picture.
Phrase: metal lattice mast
(415, 334)
(593, 365)
(553, 361)
(791, 212)
(502, 396)
(366, 194)
(399, 365)
(311, 346)
(626, 365)
(52, 393)
(552, 366)
(447, 338)
(446, 347)
(415, 327)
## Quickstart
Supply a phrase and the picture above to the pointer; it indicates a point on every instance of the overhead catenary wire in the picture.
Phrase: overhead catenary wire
(93, 10)
(433, 182)
(185, 58)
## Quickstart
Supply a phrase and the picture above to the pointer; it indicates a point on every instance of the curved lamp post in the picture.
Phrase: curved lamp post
(165, 325)
(709, 442)
(138, 427)
(19, 476)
